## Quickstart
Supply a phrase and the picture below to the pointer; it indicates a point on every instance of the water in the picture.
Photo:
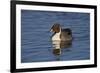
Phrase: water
(36, 44)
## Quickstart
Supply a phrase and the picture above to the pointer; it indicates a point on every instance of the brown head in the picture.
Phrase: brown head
(56, 28)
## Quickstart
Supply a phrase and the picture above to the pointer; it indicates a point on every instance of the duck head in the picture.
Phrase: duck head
(56, 28)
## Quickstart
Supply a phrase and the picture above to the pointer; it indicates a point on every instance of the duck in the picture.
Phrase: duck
(61, 34)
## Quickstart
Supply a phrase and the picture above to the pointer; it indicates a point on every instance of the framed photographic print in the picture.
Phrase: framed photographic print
(52, 36)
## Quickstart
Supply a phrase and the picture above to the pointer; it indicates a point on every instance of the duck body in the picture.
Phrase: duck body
(61, 34)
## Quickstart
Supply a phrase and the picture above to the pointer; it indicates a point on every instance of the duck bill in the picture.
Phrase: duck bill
(51, 30)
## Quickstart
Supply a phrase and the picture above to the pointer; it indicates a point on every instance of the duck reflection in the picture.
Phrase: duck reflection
(58, 46)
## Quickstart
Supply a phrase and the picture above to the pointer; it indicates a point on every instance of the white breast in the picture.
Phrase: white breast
(56, 37)
(56, 41)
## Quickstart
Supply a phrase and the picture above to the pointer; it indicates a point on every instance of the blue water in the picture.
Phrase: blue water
(36, 45)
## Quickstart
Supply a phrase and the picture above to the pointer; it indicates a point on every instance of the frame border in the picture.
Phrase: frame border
(13, 35)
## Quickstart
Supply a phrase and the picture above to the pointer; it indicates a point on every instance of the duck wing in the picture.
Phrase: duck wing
(67, 30)
(66, 34)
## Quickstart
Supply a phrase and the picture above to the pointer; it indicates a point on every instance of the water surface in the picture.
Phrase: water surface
(36, 45)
